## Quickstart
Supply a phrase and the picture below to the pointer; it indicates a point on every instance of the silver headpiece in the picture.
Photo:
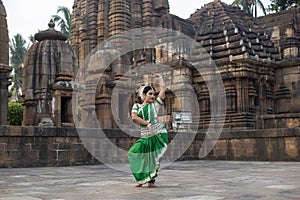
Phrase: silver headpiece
(141, 89)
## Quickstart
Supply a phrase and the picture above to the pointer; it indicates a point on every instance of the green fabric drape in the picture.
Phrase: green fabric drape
(145, 155)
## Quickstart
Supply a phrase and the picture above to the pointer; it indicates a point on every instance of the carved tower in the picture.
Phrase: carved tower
(96, 21)
(4, 65)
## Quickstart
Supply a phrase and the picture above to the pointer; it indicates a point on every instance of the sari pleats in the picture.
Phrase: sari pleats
(145, 155)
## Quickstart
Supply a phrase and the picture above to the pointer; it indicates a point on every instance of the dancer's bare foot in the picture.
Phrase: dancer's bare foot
(138, 185)
(151, 185)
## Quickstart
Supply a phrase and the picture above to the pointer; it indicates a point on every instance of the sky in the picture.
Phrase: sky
(27, 17)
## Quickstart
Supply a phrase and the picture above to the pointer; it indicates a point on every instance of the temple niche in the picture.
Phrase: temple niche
(49, 69)
(4, 66)
(258, 59)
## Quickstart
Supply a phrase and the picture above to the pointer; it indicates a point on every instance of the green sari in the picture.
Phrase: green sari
(145, 155)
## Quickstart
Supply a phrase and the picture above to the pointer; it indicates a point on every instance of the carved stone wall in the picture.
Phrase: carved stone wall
(244, 54)
(258, 59)
(40, 146)
(4, 66)
(284, 28)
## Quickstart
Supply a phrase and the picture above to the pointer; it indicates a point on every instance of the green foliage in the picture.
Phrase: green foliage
(31, 39)
(15, 113)
(18, 50)
(65, 21)
(250, 6)
(280, 5)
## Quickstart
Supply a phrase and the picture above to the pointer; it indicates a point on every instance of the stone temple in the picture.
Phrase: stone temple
(72, 88)
(258, 58)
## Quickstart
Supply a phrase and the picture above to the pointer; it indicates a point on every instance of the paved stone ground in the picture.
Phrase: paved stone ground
(201, 180)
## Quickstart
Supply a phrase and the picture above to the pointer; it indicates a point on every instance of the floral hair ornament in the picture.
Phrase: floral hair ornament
(141, 90)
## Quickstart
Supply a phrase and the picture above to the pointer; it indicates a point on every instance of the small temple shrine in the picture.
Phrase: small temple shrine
(49, 69)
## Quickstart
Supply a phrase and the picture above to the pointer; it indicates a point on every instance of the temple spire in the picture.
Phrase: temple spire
(50, 34)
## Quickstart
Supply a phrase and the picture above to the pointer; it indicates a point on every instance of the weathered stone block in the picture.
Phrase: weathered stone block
(15, 130)
(268, 148)
(15, 155)
(4, 155)
(63, 156)
(220, 149)
(65, 145)
(291, 147)
(14, 144)
(3, 147)
(31, 157)
(44, 153)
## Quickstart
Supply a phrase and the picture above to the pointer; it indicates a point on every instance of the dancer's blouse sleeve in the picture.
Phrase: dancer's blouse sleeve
(135, 108)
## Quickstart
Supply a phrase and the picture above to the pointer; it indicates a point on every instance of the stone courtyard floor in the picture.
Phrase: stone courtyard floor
(201, 180)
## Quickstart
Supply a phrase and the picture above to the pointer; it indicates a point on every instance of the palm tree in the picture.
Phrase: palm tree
(250, 6)
(31, 40)
(256, 4)
(63, 22)
(244, 4)
(17, 52)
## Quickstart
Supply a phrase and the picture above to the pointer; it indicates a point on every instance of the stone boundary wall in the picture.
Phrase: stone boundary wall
(37, 146)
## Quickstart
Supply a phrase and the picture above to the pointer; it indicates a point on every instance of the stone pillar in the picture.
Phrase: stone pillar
(136, 14)
(4, 83)
(290, 44)
(4, 40)
(119, 16)
(147, 13)
(4, 68)
(102, 23)
(92, 12)
(103, 102)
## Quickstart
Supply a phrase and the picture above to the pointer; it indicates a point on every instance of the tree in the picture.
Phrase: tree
(15, 113)
(63, 22)
(244, 4)
(31, 39)
(250, 6)
(18, 51)
(280, 5)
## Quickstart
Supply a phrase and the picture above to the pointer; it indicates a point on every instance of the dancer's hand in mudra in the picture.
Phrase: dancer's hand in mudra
(161, 82)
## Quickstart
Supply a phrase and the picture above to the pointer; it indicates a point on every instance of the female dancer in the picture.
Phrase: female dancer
(145, 155)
